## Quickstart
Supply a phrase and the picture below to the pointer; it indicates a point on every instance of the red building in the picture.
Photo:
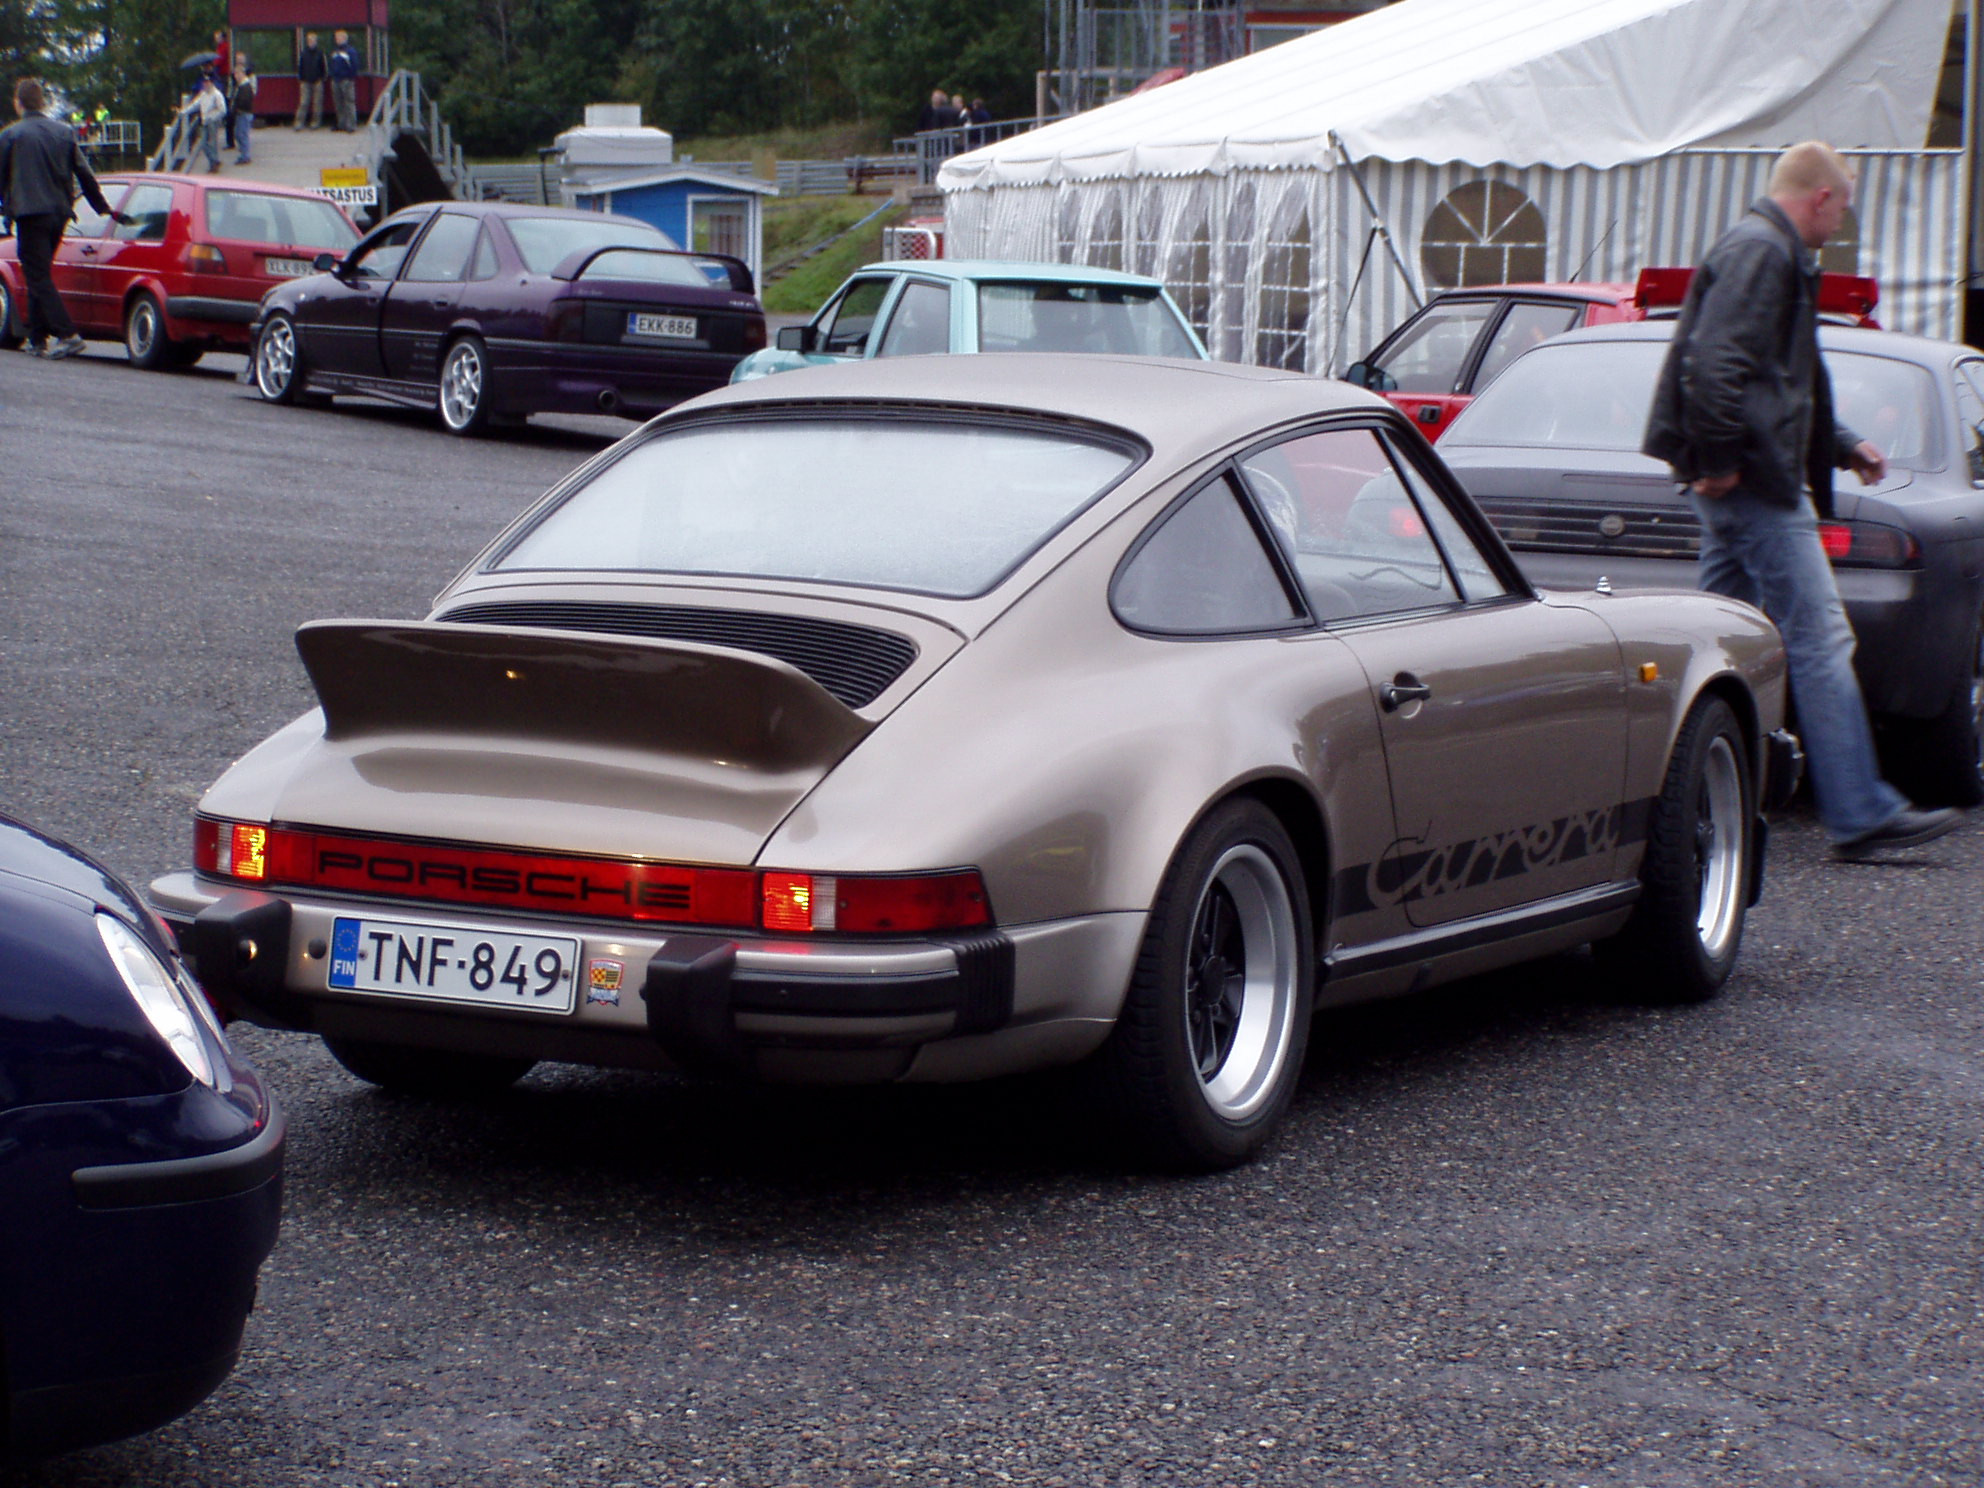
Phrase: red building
(270, 34)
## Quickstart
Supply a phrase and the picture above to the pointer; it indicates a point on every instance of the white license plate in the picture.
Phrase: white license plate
(288, 268)
(676, 327)
(455, 963)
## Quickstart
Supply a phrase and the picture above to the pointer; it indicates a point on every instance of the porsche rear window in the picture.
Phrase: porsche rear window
(930, 507)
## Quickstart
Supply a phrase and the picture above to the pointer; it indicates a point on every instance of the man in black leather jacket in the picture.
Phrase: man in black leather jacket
(39, 158)
(1743, 414)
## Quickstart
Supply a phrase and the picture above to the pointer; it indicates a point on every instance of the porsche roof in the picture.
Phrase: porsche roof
(1164, 401)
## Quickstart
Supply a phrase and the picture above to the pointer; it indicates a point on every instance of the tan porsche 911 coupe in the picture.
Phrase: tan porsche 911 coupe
(939, 718)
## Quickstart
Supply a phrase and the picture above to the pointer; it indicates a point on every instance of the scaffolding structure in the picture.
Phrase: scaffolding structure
(1097, 52)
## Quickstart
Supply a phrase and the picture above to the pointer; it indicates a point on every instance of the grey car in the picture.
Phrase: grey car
(940, 718)
(1550, 451)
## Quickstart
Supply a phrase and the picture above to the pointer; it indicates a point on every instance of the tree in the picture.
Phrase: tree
(124, 54)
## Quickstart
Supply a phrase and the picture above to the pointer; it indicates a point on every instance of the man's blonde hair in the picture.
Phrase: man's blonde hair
(1803, 169)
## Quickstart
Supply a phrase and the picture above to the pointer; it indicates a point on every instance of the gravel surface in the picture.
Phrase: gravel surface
(1516, 1233)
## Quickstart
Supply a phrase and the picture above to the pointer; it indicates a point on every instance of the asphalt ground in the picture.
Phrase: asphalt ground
(1516, 1232)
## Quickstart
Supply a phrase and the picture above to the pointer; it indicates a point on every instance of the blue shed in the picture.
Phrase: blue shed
(705, 210)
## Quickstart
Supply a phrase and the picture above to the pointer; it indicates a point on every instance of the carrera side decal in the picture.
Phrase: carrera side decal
(1410, 873)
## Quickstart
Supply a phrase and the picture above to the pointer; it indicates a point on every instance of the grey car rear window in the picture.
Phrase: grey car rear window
(931, 507)
(1595, 395)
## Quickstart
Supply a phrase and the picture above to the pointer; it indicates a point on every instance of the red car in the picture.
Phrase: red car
(1434, 364)
(186, 275)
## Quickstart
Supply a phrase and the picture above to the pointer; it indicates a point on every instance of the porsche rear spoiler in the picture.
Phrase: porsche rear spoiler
(710, 703)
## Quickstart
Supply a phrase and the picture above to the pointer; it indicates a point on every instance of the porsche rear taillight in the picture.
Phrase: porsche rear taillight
(231, 849)
(778, 902)
(892, 904)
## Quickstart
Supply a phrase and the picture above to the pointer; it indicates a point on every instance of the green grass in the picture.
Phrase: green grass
(813, 218)
(827, 142)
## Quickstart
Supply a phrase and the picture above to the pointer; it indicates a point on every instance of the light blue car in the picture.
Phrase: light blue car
(914, 307)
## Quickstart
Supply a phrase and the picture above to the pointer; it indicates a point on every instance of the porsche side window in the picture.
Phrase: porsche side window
(382, 255)
(1350, 526)
(845, 332)
(1970, 417)
(921, 323)
(442, 257)
(1478, 579)
(1203, 571)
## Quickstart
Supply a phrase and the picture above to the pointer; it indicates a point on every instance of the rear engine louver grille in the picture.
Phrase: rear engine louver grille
(1594, 527)
(853, 662)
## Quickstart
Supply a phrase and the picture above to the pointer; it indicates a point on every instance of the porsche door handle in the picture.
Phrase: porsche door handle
(1402, 689)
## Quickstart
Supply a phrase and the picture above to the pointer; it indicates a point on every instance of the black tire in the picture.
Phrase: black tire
(463, 390)
(1940, 761)
(440, 1073)
(279, 366)
(146, 345)
(1681, 942)
(12, 332)
(1208, 1048)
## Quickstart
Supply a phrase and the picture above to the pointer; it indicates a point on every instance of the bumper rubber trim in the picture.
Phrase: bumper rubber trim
(186, 1180)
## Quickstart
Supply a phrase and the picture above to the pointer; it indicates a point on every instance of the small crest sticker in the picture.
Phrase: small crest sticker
(603, 981)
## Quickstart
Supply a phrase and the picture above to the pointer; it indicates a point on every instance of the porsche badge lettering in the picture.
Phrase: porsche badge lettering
(338, 868)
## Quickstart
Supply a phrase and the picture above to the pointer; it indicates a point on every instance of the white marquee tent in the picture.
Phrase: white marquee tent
(1300, 200)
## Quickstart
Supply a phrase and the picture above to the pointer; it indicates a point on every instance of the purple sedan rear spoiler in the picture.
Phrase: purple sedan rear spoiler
(383, 677)
(574, 265)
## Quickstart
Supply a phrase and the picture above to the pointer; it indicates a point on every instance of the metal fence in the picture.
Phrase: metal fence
(919, 155)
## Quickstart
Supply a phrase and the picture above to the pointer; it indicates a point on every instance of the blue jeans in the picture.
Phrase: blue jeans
(244, 130)
(1770, 556)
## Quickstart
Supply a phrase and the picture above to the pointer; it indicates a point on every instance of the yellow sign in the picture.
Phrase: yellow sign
(343, 175)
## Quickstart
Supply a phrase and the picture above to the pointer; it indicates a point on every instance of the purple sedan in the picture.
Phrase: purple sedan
(495, 310)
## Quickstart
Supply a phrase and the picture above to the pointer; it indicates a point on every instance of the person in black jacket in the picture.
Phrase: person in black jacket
(39, 158)
(312, 67)
(1743, 414)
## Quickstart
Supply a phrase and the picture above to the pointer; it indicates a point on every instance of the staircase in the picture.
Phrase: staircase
(406, 149)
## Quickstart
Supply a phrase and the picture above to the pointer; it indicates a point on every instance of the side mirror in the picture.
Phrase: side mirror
(1364, 375)
(325, 263)
(797, 338)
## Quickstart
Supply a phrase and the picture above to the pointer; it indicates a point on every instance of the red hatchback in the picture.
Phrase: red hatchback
(186, 273)
(1434, 364)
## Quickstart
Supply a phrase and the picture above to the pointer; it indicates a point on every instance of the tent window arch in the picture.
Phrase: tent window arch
(1483, 232)
(1282, 337)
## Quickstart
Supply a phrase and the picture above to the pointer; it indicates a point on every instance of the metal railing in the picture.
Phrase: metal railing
(182, 138)
(403, 107)
(921, 154)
